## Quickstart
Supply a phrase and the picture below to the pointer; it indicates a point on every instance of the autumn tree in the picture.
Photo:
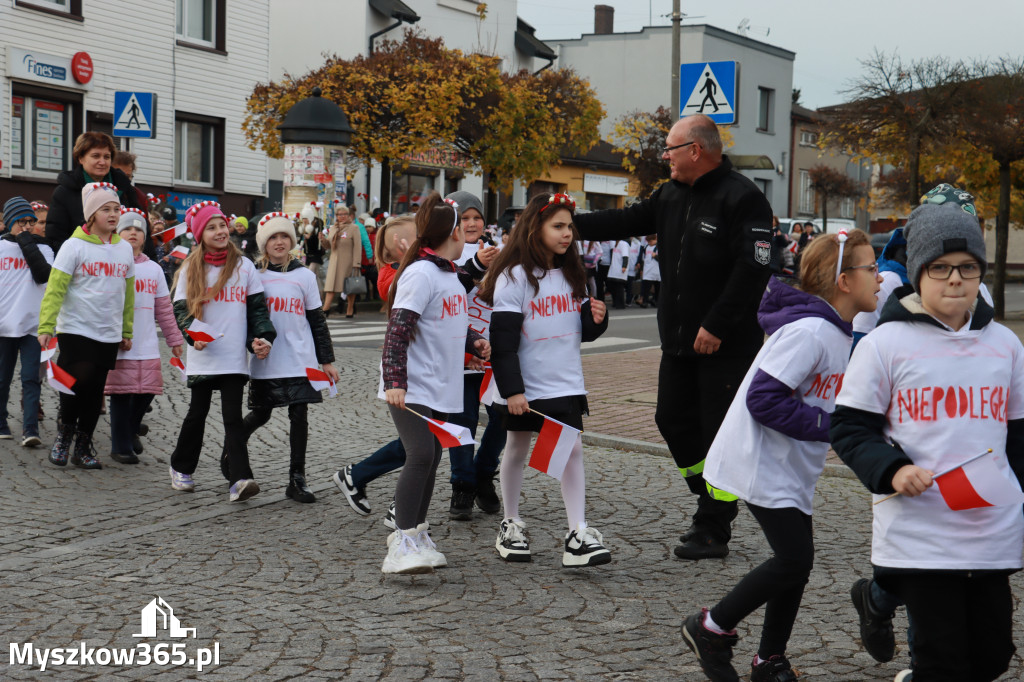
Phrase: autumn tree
(895, 109)
(831, 183)
(993, 123)
(415, 95)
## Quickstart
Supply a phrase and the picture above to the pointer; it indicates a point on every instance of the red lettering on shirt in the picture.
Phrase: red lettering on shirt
(104, 269)
(453, 305)
(12, 263)
(231, 295)
(479, 315)
(285, 304)
(556, 304)
(825, 387)
(145, 286)
(931, 403)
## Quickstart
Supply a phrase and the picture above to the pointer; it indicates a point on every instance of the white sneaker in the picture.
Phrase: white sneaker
(180, 481)
(427, 546)
(585, 548)
(904, 676)
(404, 555)
(512, 544)
(389, 517)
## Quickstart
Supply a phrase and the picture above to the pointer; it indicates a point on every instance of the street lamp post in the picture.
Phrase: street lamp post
(677, 18)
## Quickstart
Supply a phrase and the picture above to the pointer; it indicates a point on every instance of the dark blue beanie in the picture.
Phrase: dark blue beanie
(15, 209)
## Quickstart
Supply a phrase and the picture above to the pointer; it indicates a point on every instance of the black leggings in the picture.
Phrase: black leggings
(298, 433)
(185, 457)
(778, 583)
(963, 624)
(88, 362)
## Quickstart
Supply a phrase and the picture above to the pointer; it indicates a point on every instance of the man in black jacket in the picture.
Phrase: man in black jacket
(714, 246)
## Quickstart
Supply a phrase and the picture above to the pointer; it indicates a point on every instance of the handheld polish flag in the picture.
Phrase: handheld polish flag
(177, 364)
(488, 389)
(553, 447)
(448, 435)
(978, 482)
(319, 380)
(58, 378)
(172, 232)
(50, 349)
(200, 331)
(179, 252)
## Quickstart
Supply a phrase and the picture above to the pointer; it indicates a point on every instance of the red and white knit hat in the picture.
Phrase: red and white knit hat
(131, 217)
(95, 194)
(272, 224)
(199, 215)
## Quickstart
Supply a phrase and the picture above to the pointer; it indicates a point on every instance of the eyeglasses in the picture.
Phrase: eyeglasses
(26, 221)
(873, 268)
(944, 270)
(666, 150)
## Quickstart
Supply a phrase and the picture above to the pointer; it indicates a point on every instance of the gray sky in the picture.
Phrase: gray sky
(829, 37)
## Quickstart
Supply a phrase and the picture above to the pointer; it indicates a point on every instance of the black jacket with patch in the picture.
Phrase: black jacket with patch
(714, 248)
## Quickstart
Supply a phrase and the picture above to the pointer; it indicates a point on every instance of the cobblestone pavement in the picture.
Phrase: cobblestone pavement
(290, 591)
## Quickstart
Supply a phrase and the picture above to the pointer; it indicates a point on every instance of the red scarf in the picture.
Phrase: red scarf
(216, 257)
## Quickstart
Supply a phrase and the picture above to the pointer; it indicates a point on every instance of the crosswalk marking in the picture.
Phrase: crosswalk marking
(605, 341)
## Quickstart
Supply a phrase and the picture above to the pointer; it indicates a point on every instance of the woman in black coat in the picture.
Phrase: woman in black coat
(93, 154)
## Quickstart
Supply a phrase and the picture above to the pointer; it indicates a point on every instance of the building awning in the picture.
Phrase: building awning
(751, 162)
(529, 44)
(396, 9)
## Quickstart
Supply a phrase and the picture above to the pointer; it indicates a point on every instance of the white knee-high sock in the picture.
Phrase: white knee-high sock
(574, 488)
(517, 450)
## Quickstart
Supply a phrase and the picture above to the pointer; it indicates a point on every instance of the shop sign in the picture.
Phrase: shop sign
(40, 67)
(605, 184)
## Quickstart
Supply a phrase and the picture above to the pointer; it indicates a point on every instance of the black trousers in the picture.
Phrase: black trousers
(963, 623)
(694, 393)
(600, 279)
(127, 411)
(617, 287)
(88, 361)
(298, 431)
(778, 583)
(185, 457)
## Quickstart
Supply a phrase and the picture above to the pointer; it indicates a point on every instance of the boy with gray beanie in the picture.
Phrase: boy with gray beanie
(937, 385)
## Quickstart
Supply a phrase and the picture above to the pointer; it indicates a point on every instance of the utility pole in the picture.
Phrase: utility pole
(677, 18)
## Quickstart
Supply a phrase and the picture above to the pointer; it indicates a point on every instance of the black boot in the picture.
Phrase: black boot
(62, 446)
(297, 488)
(486, 496)
(84, 455)
(463, 495)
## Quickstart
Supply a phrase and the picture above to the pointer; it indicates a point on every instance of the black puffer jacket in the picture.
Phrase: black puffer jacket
(267, 393)
(714, 246)
(65, 212)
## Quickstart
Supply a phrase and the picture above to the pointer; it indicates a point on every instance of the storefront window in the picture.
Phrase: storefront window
(39, 134)
(600, 202)
(409, 187)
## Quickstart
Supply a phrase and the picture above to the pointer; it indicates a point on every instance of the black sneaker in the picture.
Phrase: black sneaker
(463, 495)
(124, 458)
(487, 496)
(356, 498)
(512, 544)
(585, 548)
(875, 629)
(389, 517)
(700, 546)
(714, 651)
(137, 445)
(775, 669)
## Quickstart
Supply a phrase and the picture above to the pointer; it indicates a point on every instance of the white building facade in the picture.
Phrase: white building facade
(632, 72)
(63, 60)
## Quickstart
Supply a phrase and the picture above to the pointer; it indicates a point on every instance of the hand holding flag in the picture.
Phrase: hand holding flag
(172, 233)
(177, 364)
(447, 434)
(321, 380)
(976, 483)
(200, 331)
(48, 350)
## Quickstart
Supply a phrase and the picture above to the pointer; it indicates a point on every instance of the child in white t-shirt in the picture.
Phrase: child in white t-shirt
(650, 283)
(421, 373)
(771, 447)
(90, 303)
(137, 376)
(618, 271)
(935, 384)
(220, 289)
(541, 314)
(303, 342)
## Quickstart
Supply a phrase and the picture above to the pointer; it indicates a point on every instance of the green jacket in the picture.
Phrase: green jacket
(57, 288)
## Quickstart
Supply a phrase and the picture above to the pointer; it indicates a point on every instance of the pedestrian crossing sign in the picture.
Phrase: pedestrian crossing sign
(708, 88)
(134, 114)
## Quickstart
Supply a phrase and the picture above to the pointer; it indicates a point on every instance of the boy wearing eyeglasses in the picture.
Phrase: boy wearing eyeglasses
(936, 383)
(25, 261)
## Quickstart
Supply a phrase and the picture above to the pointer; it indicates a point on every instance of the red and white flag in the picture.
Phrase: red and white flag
(172, 232)
(488, 387)
(179, 252)
(448, 435)
(48, 352)
(200, 331)
(979, 482)
(553, 447)
(177, 364)
(319, 380)
(58, 378)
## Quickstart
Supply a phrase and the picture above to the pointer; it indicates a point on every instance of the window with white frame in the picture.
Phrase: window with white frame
(847, 207)
(194, 153)
(766, 113)
(40, 134)
(196, 21)
(806, 193)
(808, 138)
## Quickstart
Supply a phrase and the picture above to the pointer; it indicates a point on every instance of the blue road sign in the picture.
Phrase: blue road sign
(708, 88)
(134, 114)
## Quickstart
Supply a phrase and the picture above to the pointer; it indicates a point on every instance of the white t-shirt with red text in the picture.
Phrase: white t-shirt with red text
(20, 295)
(436, 353)
(149, 286)
(620, 251)
(94, 303)
(226, 314)
(289, 295)
(759, 464)
(947, 396)
(549, 350)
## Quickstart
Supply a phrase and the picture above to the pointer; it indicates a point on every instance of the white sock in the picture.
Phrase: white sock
(712, 625)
